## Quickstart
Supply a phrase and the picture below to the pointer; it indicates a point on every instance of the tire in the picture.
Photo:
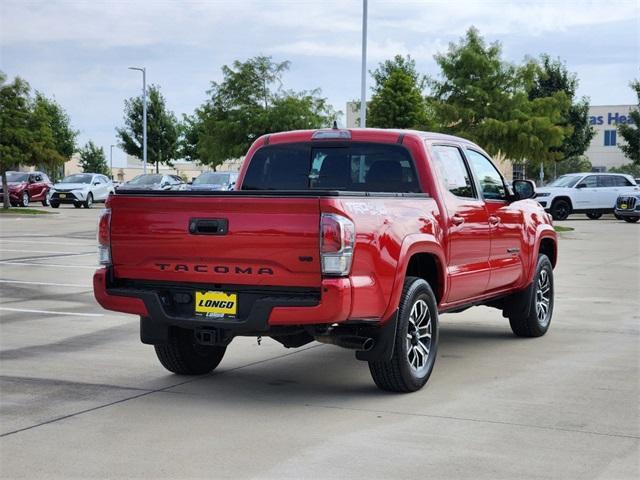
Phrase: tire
(534, 318)
(619, 217)
(89, 201)
(55, 204)
(593, 215)
(408, 370)
(182, 355)
(24, 199)
(77, 204)
(560, 209)
(631, 219)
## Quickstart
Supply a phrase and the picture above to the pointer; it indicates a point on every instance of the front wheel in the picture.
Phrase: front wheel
(593, 215)
(560, 210)
(416, 342)
(89, 201)
(534, 319)
(184, 356)
(24, 199)
(631, 219)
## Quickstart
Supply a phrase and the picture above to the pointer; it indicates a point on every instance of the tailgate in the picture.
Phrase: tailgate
(264, 241)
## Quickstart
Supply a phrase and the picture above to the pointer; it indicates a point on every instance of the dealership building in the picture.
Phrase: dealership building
(603, 152)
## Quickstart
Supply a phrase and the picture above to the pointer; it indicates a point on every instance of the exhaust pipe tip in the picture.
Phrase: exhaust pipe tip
(351, 342)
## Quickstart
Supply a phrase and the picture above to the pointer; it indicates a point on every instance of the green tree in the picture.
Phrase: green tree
(93, 159)
(189, 133)
(63, 136)
(484, 99)
(632, 169)
(552, 77)
(397, 100)
(250, 102)
(33, 130)
(162, 129)
(630, 132)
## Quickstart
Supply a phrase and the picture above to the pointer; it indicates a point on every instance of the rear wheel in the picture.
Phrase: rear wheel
(24, 199)
(416, 342)
(594, 215)
(534, 319)
(560, 209)
(184, 356)
(631, 219)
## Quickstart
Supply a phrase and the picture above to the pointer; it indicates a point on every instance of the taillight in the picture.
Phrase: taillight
(104, 237)
(337, 239)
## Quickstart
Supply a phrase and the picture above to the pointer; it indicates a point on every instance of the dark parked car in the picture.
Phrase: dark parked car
(215, 181)
(154, 181)
(628, 208)
(26, 187)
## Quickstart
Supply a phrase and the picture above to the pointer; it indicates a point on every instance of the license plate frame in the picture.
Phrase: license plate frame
(215, 304)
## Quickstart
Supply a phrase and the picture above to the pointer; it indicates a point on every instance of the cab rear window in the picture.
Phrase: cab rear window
(360, 167)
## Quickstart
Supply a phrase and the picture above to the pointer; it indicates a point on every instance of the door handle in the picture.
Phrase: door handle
(457, 220)
(493, 220)
(208, 226)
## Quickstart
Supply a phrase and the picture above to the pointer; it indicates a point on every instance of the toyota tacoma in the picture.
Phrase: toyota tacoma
(358, 238)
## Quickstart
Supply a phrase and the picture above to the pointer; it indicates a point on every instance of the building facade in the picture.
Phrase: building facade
(604, 151)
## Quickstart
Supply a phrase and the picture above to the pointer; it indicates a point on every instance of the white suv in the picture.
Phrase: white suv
(590, 193)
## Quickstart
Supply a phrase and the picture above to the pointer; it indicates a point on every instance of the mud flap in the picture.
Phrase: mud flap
(520, 303)
(385, 340)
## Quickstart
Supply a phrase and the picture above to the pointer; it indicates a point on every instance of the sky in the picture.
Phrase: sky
(78, 51)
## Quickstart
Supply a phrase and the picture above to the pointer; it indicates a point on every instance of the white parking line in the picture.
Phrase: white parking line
(47, 284)
(42, 251)
(75, 314)
(56, 265)
(59, 243)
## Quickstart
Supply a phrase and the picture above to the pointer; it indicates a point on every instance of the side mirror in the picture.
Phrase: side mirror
(581, 185)
(524, 189)
(96, 183)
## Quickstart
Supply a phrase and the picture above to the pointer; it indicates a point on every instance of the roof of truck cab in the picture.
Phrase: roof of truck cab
(389, 134)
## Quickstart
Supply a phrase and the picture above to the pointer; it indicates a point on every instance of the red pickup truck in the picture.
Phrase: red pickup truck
(358, 238)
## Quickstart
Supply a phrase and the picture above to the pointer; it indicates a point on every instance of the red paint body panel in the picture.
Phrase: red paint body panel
(477, 259)
(150, 240)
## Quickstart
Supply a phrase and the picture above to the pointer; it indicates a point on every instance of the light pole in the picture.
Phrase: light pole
(363, 84)
(111, 159)
(144, 115)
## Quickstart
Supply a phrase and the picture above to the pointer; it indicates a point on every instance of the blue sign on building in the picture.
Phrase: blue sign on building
(612, 119)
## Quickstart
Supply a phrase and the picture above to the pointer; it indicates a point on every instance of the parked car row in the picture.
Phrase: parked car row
(85, 189)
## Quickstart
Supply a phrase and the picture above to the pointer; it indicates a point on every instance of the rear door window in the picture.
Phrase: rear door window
(356, 167)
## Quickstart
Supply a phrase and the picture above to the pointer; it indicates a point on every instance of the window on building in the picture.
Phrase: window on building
(609, 138)
(518, 171)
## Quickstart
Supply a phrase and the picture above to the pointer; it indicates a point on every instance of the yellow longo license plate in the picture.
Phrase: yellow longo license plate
(216, 304)
(623, 206)
(62, 195)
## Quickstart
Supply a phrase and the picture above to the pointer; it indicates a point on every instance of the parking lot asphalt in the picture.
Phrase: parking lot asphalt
(82, 397)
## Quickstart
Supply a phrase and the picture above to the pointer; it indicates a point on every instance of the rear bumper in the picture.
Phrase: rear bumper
(331, 304)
